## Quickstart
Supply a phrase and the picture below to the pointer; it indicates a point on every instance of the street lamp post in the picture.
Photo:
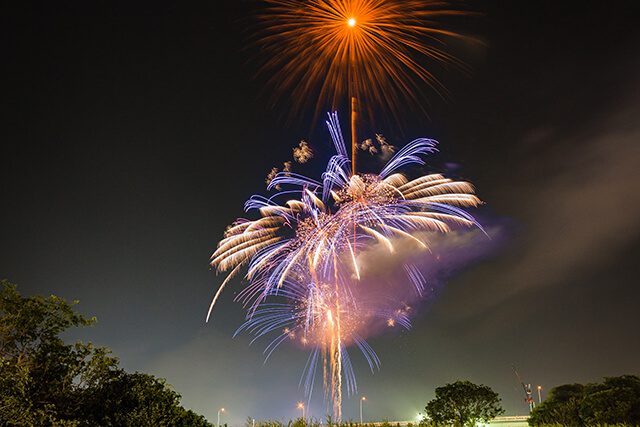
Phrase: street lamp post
(301, 406)
(539, 398)
(361, 400)
(219, 410)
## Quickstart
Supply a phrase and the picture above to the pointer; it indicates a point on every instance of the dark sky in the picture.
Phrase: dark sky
(133, 133)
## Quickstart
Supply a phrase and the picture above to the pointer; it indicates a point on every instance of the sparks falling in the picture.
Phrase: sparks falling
(303, 279)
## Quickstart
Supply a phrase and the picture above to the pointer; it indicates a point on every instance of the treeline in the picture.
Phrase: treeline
(46, 382)
(616, 400)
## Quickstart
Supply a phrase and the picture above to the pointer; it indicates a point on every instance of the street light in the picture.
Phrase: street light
(539, 399)
(301, 406)
(361, 400)
(219, 410)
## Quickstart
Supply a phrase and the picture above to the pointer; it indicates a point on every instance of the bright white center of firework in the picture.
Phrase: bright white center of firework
(352, 22)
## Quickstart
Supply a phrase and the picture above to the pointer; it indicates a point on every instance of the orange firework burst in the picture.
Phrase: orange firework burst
(372, 50)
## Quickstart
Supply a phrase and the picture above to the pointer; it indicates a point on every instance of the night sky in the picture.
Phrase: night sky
(133, 133)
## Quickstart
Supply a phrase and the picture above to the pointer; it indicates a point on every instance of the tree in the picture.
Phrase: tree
(136, 400)
(43, 379)
(562, 406)
(46, 382)
(463, 404)
(614, 401)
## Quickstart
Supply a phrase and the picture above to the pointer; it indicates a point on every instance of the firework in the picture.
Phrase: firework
(372, 50)
(338, 215)
(302, 253)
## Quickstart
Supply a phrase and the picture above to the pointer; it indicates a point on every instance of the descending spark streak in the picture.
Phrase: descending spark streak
(303, 252)
(355, 263)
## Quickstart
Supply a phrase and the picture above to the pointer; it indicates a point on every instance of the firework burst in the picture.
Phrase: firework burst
(302, 268)
(371, 50)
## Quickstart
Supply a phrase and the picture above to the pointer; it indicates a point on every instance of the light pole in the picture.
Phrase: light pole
(361, 400)
(301, 406)
(539, 398)
(219, 410)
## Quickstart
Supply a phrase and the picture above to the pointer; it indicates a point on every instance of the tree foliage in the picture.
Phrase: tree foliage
(562, 406)
(614, 401)
(131, 400)
(46, 382)
(463, 404)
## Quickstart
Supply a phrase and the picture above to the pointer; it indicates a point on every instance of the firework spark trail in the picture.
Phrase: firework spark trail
(302, 252)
